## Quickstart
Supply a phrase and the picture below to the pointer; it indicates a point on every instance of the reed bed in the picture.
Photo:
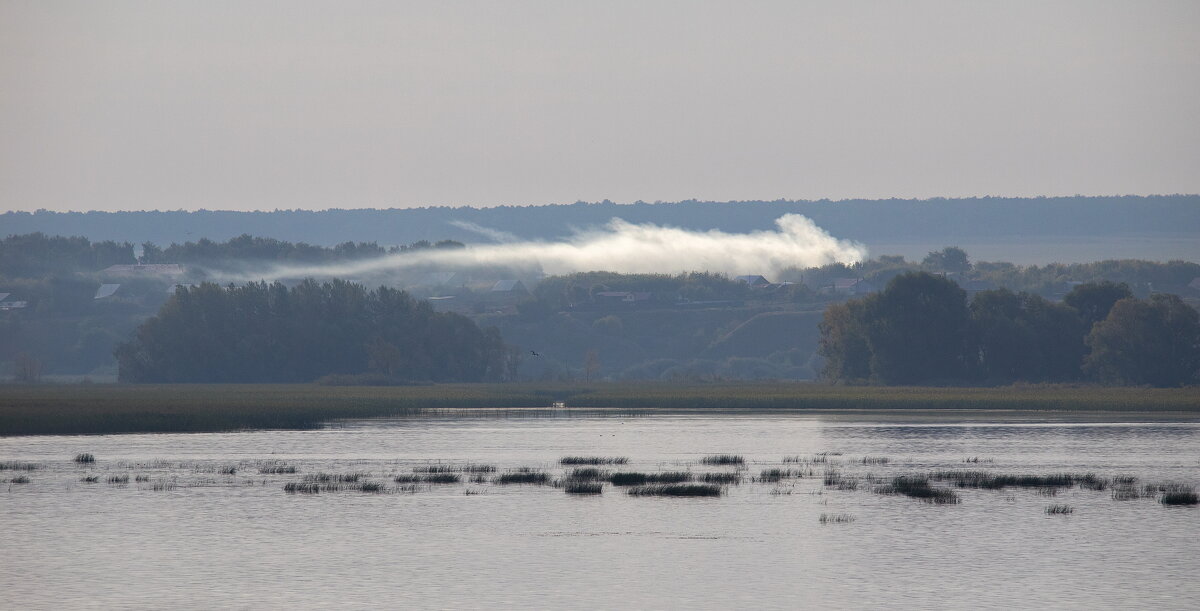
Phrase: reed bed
(593, 460)
(141, 478)
(587, 473)
(722, 478)
(1180, 495)
(103, 409)
(918, 487)
(276, 469)
(875, 460)
(437, 469)
(997, 481)
(20, 479)
(89, 479)
(1059, 510)
(523, 477)
(578, 487)
(372, 487)
(302, 488)
(16, 465)
(836, 518)
(334, 478)
(773, 475)
(118, 479)
(85, 458)
(442, 478)
(723, 459)
(641, 479)
(163, 486)
(676, 490)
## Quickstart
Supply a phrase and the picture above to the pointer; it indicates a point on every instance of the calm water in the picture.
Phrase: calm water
(207, 539)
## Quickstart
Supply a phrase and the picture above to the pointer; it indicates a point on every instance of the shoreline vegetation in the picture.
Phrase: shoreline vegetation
(183, 408)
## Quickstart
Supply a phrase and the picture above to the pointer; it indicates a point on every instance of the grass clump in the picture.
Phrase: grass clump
(479, 468)
(640, 479)
(442, 478)
(227, 470)
(276, 469)
(836, 518)
(163, 486)
(593, 460)
(523, 477)
(16, 465)
(628, 479)
(996, 481)
(334, 478)
(676, 490)
(20, 479)
(118, 479)
(141, 478)
(1059, 510)
(302, 488)
(587, 473)
(723, 459)
(1180, 495)
(875, 460)
(85, 458)
(774, 475)
(371, 487)
(90, 479)
(437, 469)
(918, 488)
(577, 487)
(721, 478)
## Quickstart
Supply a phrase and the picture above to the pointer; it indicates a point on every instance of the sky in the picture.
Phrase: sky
(266, 105)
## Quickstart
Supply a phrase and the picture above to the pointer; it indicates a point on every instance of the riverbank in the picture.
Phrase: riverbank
(104, 409)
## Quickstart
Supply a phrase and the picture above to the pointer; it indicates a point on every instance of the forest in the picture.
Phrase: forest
(921, 329)
(263, 332)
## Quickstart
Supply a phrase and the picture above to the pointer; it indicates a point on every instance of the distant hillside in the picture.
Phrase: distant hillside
(1036, 230)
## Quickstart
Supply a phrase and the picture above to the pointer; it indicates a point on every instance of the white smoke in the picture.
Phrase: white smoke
(618, 246)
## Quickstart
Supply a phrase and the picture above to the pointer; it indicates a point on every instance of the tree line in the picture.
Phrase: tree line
(261, 332)
(921, 329)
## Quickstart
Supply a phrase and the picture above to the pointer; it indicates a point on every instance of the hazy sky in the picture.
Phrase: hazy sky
(298, 104)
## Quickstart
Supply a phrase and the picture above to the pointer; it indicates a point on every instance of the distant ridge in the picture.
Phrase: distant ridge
(884, 223)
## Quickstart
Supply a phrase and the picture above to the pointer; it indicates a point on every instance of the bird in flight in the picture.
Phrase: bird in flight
(534, 353)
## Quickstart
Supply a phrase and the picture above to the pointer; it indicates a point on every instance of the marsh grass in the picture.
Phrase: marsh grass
(163, 486)
(302, 488)
(525, 476)
(997, 481)
(478, 468)
(723, 459)
(437, 469)
(89, 479)
(20, 479)
(593, 460)
(334, 478)
(1179, 494)
(1059, 509)
(875, 460)
(836, 518)
(1125, 493)
(578, 487)
(101, 409)
(442, 478)
(722, 478)
(228, 470)
(918, 487)
(141, 478)
(118, 479)
(676, 490)
(640, 479)
(16, 465)
(372, 487)
(587, 473)
(773, 475)
(276, 469)
(85, 458)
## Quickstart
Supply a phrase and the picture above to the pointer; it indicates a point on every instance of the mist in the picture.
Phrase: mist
(617, 246)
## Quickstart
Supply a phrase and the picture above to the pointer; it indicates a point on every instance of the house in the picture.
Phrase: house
(514, 288)
(853, 286)
(753, 281)
(106, 290)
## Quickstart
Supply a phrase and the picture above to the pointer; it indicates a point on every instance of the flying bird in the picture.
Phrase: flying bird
(534, 353)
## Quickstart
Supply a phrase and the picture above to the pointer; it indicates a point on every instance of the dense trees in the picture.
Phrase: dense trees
(271, 333)
(1153, 342)
(920, 330)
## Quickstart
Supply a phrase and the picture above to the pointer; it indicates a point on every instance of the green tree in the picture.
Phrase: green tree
(917, 330)
(949, 259)
(843, 343)
(1093, 300)
(1020, 336)
(1155, 342)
